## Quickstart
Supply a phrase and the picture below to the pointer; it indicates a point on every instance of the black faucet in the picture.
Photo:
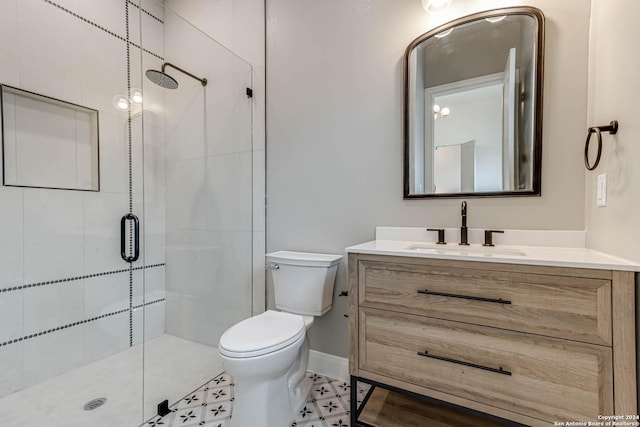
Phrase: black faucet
(464, 240)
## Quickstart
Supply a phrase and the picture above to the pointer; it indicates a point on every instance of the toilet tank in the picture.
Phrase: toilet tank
(303, 282)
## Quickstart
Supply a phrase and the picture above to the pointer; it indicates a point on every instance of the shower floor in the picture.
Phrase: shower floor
(173, 367)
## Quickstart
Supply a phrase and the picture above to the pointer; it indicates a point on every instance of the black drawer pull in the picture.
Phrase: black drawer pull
(460, 362)
(442, 294)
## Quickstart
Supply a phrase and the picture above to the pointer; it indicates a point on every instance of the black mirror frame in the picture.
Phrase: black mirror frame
(537, 137)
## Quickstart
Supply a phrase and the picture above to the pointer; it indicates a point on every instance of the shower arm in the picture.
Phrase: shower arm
(167, 64)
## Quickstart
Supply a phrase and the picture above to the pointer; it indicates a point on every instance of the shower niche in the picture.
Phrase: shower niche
(47, 142)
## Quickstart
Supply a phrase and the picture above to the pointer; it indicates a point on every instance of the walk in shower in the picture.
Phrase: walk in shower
(125, 210)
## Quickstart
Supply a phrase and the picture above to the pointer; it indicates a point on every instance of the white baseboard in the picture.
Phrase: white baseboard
(329, 365)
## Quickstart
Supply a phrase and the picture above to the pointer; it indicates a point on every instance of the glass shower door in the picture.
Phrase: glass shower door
(68, 327)
(197, 207)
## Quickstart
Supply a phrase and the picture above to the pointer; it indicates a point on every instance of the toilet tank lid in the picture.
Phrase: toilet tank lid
(303, 258)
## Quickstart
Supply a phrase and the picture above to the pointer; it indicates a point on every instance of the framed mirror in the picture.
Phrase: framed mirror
(473, 107)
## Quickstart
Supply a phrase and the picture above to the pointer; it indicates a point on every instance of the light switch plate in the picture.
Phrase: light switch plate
(601, 193)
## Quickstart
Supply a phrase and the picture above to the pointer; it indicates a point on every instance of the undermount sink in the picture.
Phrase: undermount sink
(465, 250)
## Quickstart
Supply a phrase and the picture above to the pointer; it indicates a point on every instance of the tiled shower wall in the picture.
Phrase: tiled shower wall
(239, 25)
(209, 187)
(66, 296)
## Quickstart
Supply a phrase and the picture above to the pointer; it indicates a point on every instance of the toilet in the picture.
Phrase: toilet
(267, 355)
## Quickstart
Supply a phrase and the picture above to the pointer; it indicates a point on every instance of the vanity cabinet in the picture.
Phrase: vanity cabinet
(532, 344)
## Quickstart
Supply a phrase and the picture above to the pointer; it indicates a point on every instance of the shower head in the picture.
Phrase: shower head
(166, 81)
(162, 79)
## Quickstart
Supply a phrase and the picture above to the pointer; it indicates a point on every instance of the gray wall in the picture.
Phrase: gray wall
(613, 94)
(613, 89)
(334, 130)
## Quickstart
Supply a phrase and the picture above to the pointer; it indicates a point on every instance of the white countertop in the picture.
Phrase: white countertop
(555, 256)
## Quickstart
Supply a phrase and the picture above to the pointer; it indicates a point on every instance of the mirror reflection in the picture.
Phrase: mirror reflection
(473, 106)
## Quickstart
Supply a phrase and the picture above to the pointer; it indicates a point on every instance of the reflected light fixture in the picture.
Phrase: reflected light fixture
(442, 112)
(495, 19)
(433, 6)
(120, 102)
(136, 96)
(444, 33)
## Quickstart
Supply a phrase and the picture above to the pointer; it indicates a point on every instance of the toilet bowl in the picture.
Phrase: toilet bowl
(267, 355)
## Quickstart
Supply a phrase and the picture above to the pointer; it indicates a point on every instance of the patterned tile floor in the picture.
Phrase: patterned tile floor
(212, 405)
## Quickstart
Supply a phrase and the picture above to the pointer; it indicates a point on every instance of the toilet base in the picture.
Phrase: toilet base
(273, 400)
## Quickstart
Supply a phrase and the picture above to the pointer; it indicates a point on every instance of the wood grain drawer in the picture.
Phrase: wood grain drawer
(549, 379)
(575, 308)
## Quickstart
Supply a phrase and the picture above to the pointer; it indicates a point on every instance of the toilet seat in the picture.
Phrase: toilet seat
(262, 334)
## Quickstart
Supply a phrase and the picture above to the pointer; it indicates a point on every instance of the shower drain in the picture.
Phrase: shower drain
(95, 403)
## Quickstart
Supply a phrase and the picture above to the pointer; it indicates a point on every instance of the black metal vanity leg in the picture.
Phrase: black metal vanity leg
(353, 403)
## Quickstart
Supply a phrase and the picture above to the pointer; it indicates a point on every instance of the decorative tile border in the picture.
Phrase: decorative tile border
(131, 307)
(130, 159)
(106, 30)
(145, 11)
(78, 323)
(146, 304)
(212, 405)
(59, 328)
(72, 279)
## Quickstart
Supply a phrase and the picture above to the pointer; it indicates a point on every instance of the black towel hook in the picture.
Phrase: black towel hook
(612, 128)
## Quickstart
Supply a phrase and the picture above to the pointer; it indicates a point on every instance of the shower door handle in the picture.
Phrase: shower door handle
(136, 237)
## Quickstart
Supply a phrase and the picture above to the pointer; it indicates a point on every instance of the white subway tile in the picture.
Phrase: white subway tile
(152, 280)
(50, 306)
(154, 320)
(185, 115)
(152, 34)
(48, 41)
(259, 301)
(106, 336)
(101, 226)
(148, 322)
(106, 13)
(9, 52)
(243, 176)
(221, 191)
(259, 188)
(104, 60)
(114, 161)
(185, 195)
(137, 326)
(106, 294)
(11, 318)
(11, 218)
(154, 283)
(52, 354)
(12, 372)
(153, 7)
(53, 242)
(186, 318)
(192, 267)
